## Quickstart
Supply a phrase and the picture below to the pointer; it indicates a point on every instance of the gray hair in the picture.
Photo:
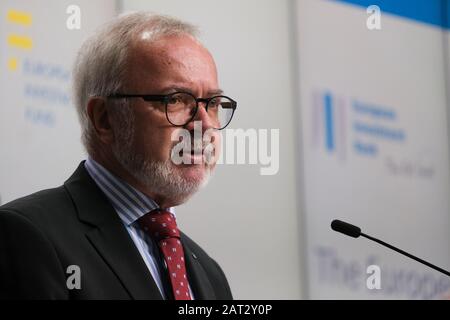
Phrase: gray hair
(100, 65)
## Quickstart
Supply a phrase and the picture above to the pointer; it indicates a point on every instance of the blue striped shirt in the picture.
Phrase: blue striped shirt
(130, 204)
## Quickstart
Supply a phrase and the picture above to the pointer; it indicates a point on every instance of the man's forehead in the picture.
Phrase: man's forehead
(176, 62)
(176, 51)
(169, 43)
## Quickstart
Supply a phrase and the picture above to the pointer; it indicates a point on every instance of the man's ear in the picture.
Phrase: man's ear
(100, 120)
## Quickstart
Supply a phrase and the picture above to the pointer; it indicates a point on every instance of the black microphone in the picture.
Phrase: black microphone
(354, 231)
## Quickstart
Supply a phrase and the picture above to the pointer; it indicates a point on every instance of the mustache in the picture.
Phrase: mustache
(191, 144)
(195, 147)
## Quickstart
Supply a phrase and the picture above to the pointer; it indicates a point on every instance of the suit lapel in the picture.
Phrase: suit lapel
(125, 261)
(109, 237)
(197, 276)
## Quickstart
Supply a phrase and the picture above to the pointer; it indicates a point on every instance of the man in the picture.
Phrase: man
(141, 85)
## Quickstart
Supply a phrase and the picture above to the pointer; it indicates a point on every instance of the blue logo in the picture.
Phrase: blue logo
(340, 122)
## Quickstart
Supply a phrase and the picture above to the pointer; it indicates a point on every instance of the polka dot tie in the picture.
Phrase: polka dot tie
(161, 226)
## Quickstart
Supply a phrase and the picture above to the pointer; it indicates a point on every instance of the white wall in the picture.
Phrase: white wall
(39, 129)
(248, 222)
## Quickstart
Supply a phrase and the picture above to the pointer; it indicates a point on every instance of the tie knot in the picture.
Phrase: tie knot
(160, 224)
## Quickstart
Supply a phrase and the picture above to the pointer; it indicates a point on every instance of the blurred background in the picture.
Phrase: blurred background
(352, 101)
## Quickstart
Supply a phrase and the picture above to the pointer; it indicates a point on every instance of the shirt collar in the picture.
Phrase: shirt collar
(129, 203)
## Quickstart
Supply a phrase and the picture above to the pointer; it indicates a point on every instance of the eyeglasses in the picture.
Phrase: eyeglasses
(181, 107)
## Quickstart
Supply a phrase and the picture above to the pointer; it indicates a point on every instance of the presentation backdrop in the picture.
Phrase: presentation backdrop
(375, 145)
(38, 124)
(374, 131)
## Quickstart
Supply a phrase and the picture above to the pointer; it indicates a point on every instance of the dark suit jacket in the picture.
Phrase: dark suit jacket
(44, 233)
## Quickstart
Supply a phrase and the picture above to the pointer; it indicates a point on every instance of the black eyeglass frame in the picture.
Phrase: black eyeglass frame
(166, 97)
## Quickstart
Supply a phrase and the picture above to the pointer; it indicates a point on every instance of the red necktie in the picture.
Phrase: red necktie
(162, 227)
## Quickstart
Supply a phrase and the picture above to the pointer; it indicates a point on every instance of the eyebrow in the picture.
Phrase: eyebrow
(185, 89)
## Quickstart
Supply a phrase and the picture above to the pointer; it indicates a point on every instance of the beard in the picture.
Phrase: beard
(162, 178)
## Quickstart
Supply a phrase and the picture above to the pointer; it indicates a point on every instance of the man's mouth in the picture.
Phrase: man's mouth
(193, 157)
(194, 154)
(197, 151)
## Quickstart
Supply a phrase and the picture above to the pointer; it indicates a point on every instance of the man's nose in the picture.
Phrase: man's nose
(202, 116)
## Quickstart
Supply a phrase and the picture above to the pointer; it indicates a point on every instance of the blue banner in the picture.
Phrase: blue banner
(432, 12)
